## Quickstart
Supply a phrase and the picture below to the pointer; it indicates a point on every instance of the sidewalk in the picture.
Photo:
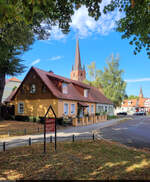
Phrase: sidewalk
(68, 131)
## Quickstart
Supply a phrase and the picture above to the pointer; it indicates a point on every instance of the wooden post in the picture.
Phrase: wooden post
(29, 141)
(93, 136)
(4, 146)
(73, 137)
(51, 139)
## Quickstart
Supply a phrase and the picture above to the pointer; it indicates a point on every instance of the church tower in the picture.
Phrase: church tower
(78, 73)
(141, 93)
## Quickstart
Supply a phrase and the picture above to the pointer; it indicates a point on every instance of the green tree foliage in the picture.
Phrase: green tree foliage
(132, 97)
(93, 73)
(135, 25)
(111, 81)
(15, 40)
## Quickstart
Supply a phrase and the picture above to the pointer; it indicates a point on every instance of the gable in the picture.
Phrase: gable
(41, 90)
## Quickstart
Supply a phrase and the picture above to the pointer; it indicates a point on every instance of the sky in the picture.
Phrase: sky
(97, 41)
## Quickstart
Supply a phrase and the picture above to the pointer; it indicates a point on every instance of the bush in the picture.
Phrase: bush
(112, 117)
(41, 120)
(97, 114)
(21, 118)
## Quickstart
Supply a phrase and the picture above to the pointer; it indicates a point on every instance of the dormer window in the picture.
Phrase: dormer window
(65, 88)
(85, 92)
(33, 89)
(129, 102)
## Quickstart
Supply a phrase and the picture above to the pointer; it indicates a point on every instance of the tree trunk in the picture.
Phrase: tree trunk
(2, 85)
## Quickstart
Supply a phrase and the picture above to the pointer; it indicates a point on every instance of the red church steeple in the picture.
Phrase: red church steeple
(78, 73)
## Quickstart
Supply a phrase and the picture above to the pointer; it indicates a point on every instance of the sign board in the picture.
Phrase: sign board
(50, 124)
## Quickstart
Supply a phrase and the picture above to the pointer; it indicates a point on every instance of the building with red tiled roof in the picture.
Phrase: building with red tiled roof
(71, 97)
(134, 105)
(10, 85)
(39, 89)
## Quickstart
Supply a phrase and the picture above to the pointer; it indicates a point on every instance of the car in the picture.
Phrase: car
(122, 113)
(140, 113)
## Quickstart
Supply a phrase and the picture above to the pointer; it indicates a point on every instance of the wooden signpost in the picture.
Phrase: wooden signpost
(49, 125)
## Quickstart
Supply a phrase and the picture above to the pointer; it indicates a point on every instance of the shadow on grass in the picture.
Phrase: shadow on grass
(80, 160)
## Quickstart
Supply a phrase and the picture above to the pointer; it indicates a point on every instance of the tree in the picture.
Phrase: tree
(132, 97)
(94, 76)
(135, 25)
(11, 48)
(111, 81)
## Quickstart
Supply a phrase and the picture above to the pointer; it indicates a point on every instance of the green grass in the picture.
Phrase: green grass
(85, 160)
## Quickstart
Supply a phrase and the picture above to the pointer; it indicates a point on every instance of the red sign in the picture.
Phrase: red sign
(50, 124)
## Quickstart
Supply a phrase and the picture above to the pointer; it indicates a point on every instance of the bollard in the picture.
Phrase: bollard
(73, 137)
(50, 139)
(29, 141)
(4, 146)
(38, 129)
(25, 131)
(93, 136)
(8, 133)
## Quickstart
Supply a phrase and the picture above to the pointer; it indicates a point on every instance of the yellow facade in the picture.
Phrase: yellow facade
(36, 107)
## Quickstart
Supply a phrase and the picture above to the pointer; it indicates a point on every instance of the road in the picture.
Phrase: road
(135, 132)
(84, 132)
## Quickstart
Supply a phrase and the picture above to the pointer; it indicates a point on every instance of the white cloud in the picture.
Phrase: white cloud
(56, 34)
(35, 62)
(138, 80)
(56, 58)
(84, 25)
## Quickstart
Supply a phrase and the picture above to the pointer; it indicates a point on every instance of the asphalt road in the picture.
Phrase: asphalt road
(135, 132)
(82, 132)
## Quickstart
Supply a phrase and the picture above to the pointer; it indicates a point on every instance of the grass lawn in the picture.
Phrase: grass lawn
(85, 160)
(17, 128)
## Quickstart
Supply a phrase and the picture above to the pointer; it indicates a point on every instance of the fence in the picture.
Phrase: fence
(24, 131)
(5, 145)
(87, 120)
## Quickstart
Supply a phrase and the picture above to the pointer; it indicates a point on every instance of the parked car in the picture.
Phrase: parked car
(122, 113)
(140, 113)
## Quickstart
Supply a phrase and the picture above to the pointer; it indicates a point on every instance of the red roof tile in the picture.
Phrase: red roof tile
(94, 94)
(14, 79)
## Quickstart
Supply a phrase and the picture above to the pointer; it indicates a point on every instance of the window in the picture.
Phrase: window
(129, 102)
(87, 109)
(21, 108)
(43, 88)
(32, 89)
(85, 92)
(65, 88)
(72, 108)
(66, 109)
(92, 108)
(105, 108)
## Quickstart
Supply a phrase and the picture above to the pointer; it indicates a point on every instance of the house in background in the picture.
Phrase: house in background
(10, 85)
(134, 105)
(69, 97)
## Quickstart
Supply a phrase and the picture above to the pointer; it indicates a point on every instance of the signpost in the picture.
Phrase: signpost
(49, 125)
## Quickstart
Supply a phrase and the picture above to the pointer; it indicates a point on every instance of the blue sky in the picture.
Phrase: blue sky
(97, 40)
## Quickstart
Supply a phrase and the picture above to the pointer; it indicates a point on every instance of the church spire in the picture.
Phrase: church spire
(77, 57)
(141, 93)
(77, 72)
